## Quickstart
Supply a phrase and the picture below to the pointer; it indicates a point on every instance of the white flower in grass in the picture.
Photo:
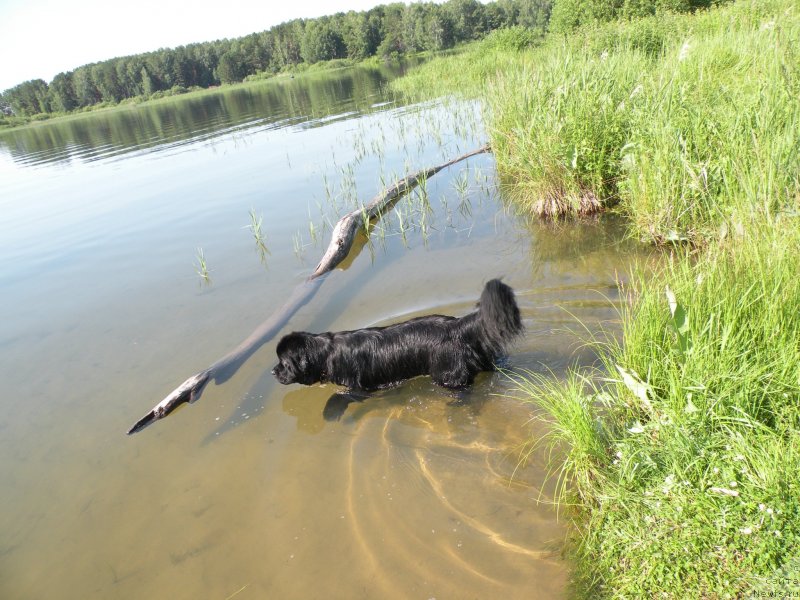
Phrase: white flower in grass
(724, 491)
(746, 530)
(637, 428)
(684, 51)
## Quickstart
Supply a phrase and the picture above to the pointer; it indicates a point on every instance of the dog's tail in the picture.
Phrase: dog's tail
(499, 315)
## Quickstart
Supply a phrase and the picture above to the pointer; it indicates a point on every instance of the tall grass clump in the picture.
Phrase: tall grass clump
(681, 462)
(718, 130)
(681, 120)
(558, 124)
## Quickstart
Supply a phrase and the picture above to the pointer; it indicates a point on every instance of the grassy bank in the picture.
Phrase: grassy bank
(680, 121)
(678, 455)
(680, 462)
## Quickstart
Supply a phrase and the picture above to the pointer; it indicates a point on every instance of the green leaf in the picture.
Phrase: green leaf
(680, 322)
(639, 388)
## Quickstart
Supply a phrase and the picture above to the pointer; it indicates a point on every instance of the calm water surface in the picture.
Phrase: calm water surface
(250, 492)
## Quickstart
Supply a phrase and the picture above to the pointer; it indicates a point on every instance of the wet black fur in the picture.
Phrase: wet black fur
(452, 350)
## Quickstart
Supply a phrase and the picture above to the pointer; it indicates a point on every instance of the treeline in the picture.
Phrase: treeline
(385, 31)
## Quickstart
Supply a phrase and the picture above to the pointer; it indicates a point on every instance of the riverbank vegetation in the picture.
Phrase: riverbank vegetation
(386, 31)
(680, 456)
(677, 456)
(655, 116)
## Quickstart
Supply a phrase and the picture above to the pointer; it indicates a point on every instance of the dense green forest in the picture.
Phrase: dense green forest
(384, 31)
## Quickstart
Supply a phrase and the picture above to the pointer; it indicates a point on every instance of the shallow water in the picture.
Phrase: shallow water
(250, 492)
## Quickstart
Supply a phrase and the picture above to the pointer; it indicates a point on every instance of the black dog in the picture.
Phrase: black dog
(452, 350)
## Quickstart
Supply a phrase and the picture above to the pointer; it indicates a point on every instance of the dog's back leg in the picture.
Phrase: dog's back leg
(450, 370)
(460, 397)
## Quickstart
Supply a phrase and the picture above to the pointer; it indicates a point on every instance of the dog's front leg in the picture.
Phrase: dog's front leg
(337, 404)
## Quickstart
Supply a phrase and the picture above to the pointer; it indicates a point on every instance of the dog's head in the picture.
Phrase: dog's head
(301, 359)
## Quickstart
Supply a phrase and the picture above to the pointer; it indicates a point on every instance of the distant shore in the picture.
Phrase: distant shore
(12, 123)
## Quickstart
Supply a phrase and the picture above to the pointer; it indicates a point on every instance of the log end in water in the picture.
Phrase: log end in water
(188, 391)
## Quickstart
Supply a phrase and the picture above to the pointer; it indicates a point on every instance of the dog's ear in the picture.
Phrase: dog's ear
(293, 342)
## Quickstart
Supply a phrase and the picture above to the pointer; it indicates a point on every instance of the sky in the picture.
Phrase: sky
(41, 38)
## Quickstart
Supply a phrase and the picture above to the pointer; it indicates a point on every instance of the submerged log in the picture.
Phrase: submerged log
(342, 238)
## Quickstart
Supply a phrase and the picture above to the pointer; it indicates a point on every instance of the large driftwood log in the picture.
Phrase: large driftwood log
(341, 242)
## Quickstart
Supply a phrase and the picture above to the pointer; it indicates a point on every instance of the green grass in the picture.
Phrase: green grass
(557, 127)
(717, 132)
(679, 463)
(678, 121)
(464, 71)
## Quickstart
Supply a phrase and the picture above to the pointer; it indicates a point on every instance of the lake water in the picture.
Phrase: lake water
(250, 493)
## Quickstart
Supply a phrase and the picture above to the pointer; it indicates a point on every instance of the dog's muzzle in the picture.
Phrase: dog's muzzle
(281, 375)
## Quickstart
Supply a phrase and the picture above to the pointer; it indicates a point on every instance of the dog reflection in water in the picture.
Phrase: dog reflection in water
(452, 350)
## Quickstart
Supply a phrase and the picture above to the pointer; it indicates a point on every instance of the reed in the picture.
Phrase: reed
(258, 235)
(201, 267)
